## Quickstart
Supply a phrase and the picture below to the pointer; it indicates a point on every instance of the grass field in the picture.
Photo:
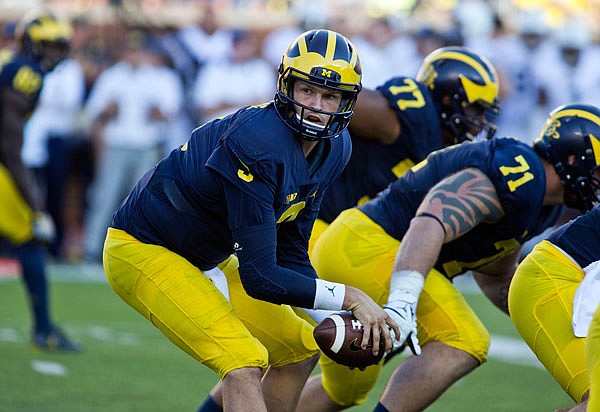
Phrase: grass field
(129, 366)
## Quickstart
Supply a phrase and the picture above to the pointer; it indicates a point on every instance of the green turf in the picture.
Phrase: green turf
(128, 365)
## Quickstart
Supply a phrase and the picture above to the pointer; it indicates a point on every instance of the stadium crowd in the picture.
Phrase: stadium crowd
(91, 154)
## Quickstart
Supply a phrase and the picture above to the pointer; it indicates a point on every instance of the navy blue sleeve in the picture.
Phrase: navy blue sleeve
(292, 238)
(256, 245)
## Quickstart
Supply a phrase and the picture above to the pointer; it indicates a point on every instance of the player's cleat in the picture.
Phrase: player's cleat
(54, 341)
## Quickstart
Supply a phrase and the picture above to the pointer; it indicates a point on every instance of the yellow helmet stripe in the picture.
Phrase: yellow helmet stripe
(486, 92)
(465, 59)
(592, 118)
(596, 148)
(331, 37)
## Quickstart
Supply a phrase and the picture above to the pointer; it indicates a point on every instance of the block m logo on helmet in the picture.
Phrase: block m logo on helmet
(326, 73)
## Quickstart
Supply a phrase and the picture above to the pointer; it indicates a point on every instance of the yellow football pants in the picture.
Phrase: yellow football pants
(592, 355)
(540, 302)
(16, 216)
(356, 251)
(187, 307)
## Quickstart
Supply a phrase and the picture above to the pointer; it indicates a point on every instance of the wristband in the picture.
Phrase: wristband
(329, 295)
(406, 281)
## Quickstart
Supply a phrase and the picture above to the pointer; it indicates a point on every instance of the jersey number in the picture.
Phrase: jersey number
(411, 88)
(27, 81)
(521, 169)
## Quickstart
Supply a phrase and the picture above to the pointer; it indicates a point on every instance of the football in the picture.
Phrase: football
(339, 336)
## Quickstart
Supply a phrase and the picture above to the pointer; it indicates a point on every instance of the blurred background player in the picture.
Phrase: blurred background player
(466, 208)
(42, 43)
(249, 183)
(556, 288)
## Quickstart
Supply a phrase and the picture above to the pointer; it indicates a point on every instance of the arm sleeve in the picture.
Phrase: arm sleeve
(293, 238)
(255, 234)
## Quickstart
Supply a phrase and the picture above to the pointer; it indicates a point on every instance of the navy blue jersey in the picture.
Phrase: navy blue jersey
(240, 184)
(518, 177)
(374, 165)
(21, 74)
(580, 237)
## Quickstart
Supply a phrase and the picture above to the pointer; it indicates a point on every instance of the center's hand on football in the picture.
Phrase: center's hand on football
(406, 286)
(374, 319)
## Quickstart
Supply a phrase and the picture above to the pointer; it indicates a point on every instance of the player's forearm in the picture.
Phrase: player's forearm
(420, 246)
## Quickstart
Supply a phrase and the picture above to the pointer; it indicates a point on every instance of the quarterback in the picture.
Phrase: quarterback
(247, 188)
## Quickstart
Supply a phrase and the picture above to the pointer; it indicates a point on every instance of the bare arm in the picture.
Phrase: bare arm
(494, 279)
(15, 109)
(451, 208)
(374, 119)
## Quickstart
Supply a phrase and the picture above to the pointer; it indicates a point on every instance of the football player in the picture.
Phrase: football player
(468, 207)
(42, 43)
(251, 184)
(451, 100)
(397, 125)
(556, 289)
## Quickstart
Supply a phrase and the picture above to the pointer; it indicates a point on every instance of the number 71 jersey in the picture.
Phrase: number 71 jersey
(518, 176)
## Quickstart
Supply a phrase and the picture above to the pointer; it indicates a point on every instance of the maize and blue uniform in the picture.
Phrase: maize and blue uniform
(240, 185)
(360, 246)
(541, 298)
(374, 165)
(22, 75)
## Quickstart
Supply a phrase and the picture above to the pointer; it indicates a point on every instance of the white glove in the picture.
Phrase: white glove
(43, 228)
(405, 288)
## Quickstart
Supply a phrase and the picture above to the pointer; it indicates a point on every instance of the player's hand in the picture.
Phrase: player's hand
(43, 228)
(403, 312)
(376, 322)
(405, 288)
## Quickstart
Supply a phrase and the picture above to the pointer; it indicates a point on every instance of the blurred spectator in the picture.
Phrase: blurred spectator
(572, 73)
(426, 40)
(475, 20)
(277, 40)
(381, 54)
(130, 104)
(243, 79)
(206, 41)
(520, 59)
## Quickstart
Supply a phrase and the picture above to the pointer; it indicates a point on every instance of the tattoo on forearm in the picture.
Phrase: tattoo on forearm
(464, 200)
